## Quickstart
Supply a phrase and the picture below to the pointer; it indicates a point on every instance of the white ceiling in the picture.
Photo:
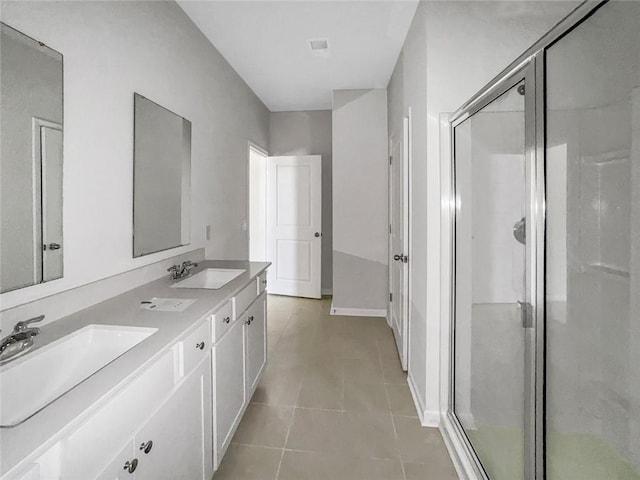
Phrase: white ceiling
(267, 43)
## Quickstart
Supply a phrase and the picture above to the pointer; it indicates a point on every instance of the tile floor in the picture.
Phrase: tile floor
(333, 404)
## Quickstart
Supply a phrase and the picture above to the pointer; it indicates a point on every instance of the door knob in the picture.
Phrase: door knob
(131, 466)
(146, 446)
(317, 234)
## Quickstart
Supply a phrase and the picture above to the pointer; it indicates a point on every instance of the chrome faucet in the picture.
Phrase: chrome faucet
(181, 271)
(20, 340)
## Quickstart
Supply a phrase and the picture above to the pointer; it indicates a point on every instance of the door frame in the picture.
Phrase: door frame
(261, 151)
(38, 214)
(526, 73)
(466, 462)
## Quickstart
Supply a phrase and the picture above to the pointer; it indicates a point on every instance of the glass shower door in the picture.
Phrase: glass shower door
(492, 348)
(593, 248)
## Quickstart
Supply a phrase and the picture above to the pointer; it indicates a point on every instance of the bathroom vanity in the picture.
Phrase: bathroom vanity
(165, 409)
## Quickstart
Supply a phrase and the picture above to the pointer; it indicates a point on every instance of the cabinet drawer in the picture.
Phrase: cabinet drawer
(195, 347)
(243, 299)
(221, 321)
(262, 282)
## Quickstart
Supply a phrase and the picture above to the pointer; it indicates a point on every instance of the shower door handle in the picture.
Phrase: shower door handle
(520, 231)
(526, 314)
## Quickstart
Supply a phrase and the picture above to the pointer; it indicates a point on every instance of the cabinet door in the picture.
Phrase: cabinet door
(85, 451)
(180, 432)
(119, 467)
(228, 391)
(255, 341)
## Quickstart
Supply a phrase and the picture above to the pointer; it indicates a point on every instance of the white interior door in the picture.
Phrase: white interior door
(51, 152)
(399, 240)
(294, 236)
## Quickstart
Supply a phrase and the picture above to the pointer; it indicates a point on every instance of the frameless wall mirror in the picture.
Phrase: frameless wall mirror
(31, 247)
(161, 178)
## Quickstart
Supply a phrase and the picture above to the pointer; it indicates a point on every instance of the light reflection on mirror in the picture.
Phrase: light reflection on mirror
(31, 149)
(161, 179)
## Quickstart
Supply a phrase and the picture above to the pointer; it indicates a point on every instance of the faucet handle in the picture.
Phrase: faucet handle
(22, 326)
(173, 268)
(189, 263)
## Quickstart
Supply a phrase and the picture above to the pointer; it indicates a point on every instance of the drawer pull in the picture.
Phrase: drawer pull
(131, 466)
(249, 320)
(200, 346)
(226, 319)
(146, 446)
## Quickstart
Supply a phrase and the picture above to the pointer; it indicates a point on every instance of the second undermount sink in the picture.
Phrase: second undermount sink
(32, 382)
(210, 278)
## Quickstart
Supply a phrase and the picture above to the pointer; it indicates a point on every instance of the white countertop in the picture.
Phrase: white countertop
(35, 435)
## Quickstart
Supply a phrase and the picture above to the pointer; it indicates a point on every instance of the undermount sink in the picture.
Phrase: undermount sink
(30, 383)
(210, 278)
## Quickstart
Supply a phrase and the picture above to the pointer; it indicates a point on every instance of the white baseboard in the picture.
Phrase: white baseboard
(327, 291)
(358, 312)
(428, 418)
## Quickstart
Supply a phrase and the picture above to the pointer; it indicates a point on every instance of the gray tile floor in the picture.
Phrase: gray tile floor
(333, 404)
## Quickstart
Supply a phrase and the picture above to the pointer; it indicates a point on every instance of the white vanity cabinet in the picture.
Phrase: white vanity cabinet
(238, 359)
(173, 443)
(175, 416)
(159, 424)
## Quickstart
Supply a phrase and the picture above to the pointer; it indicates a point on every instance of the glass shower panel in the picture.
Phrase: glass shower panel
(489, 336)
(593, 249)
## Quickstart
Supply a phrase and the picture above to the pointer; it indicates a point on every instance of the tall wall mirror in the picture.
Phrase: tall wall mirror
(161, 178)
(31, 112)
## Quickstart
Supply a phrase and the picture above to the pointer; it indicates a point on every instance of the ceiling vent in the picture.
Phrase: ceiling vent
(319, 46)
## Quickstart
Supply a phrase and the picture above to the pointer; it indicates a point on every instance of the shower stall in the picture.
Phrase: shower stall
(545, 241)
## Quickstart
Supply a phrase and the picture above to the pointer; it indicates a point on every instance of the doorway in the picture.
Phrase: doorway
(257, 204)
(285, 220)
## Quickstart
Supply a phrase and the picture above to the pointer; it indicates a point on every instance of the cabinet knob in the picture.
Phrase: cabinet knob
(131, 466)
(264, 281)
(200, 346)
(249, 320)
(146, 446)
(226, 319)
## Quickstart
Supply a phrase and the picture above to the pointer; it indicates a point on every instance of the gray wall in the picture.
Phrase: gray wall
(309, 133)
(360, 220)
(112, 49)
(408, 89)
